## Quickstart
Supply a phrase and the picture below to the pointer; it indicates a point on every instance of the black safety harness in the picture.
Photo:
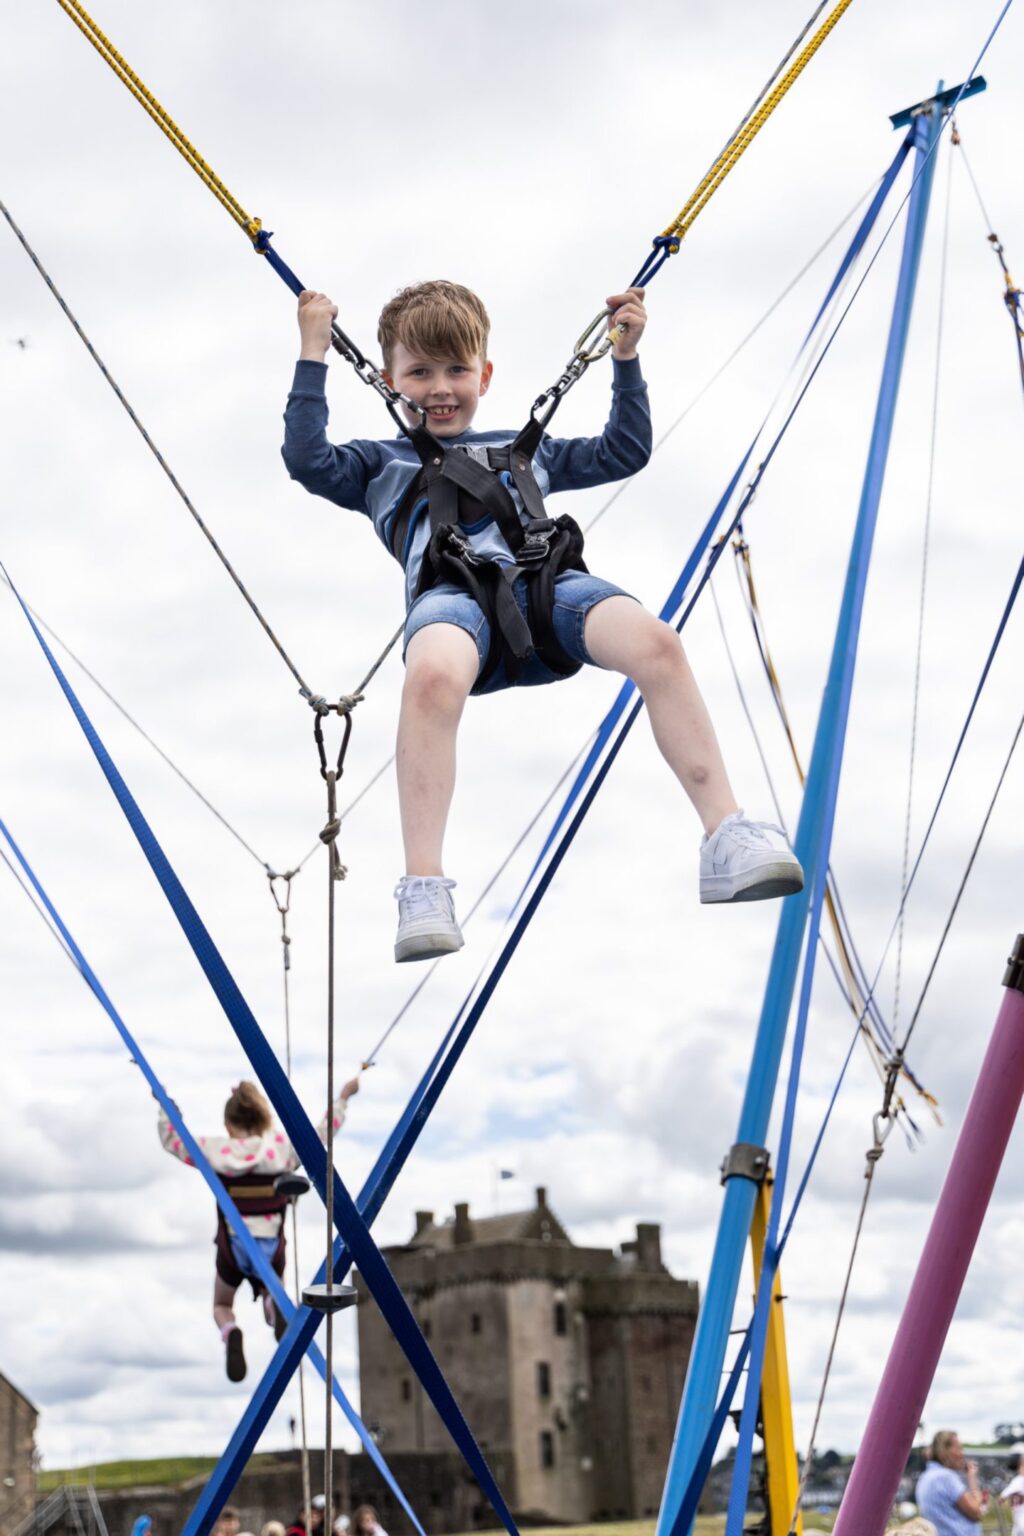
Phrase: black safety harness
(464, 484)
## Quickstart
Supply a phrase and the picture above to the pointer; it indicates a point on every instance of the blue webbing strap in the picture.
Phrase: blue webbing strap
(364, 1251)
(428, 1090)
(771, 1256)
(702, 1466)
(691, 1498)
(839, 686)
(675, 598)
(400, 1144)
(235, 1220)
(668, 609)
(264, 248)
(865, 226)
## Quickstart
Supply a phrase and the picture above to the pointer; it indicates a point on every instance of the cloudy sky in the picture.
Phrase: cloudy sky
(530, 152)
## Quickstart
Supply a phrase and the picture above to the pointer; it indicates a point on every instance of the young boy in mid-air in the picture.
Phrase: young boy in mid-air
(434, 341)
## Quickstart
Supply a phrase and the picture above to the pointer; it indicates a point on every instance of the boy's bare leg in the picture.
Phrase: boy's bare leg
(624, 637)
(441, 666)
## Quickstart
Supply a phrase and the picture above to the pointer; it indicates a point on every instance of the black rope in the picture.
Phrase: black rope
(624, 485)
(307, 693)
(1011, 294)
(151, 445)
(371, 1058)
(141, 730)
(881, 1128)
(30, 894)
(335, 872)
(923, 587)
(282, 901)
(963, 885)
(846, 978)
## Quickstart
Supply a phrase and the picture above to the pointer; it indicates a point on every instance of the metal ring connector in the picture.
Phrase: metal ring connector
(584, 351)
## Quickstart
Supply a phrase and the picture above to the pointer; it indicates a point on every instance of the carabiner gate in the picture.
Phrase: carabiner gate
(588, 354)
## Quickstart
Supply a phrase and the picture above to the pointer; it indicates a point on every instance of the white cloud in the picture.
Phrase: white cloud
(611, 1063)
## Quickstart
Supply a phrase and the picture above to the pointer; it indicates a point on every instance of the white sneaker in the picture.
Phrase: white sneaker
(747, 861)
(426, 918)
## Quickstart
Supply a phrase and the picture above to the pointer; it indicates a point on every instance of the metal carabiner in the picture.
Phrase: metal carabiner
(591, 354)
(881, 1125)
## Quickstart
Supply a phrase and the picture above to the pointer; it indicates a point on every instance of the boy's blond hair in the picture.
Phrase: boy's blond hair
(437, 320)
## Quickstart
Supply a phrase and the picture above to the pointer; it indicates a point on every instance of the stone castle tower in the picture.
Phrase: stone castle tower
(567, 1361)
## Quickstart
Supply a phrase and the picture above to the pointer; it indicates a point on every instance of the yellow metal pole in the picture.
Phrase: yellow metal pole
(776, 1403)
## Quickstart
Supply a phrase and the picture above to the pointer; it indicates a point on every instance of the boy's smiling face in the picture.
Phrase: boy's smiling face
(449, 389)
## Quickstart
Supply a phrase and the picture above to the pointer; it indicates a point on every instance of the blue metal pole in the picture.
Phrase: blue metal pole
(811, 846)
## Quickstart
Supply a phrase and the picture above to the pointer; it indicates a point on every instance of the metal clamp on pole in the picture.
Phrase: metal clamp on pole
(324, 1297)
(1014, 976)
(745, 1161)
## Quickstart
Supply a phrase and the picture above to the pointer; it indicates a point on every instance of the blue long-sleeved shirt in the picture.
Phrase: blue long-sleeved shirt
(370, 477)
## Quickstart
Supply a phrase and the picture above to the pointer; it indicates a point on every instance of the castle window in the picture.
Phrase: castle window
(543, 1379)
(561, 1319)
(426, 1327)
(406, 1390)
(645, 1383)
(474, 1322)
(547, 1448)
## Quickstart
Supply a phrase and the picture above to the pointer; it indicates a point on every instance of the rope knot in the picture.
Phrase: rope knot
(318, 704)
(330, 832)
(347, 703)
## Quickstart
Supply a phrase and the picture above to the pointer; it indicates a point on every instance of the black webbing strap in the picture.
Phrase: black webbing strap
(460, 485)
(520, 465)
(565, 553)
(448, 476)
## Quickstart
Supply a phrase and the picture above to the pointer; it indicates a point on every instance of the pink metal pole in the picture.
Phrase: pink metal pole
(941, 1269)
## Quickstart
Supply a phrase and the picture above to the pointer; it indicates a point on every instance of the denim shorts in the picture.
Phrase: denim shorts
(268, 1245)
(576, 592)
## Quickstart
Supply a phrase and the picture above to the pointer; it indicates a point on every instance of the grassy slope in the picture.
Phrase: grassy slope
(160, 1473)
(178, 1469)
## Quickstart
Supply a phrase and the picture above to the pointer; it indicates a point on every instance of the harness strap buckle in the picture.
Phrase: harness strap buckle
(536, 542)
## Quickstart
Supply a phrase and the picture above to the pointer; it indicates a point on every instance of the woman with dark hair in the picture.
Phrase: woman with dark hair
(947, 1491)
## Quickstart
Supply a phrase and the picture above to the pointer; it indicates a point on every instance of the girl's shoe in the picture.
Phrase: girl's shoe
(234, 1356)
(747, 861)
(426, 918)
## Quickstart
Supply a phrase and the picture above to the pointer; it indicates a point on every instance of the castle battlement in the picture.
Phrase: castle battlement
(567, 1360)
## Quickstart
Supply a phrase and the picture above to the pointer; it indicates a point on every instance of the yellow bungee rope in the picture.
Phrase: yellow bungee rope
(744, 137)
(168, 127)
(586, 350)
(674, 232)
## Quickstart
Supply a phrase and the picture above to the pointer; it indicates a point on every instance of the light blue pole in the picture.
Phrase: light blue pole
(811, 846)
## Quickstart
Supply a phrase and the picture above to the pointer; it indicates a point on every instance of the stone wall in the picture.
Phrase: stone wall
(17, 1456)
(467, 1328)
(437, 1485)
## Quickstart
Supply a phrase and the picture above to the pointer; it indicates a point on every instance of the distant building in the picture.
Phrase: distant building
(18, 1419)
(568, 1362)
